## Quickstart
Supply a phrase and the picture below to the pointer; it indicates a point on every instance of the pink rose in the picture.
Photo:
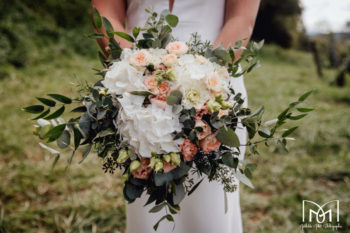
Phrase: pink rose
(188, 150)
(177, 47)
(159, 101)
(140, 58)
(167, 167)
(206, 129)
(160, 67)
(170, 60)
(144, 171)
(163, 88)
(210, 143)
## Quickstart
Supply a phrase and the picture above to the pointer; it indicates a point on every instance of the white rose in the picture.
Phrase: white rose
(170, 60)
(177, 48)
(200, 59)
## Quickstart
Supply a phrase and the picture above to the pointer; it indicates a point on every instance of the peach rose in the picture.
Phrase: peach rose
(206, 129)
(167, 167)
(209, 143)
(163, 88)
(140, 58)
(188, 150)
(159, 101)
(177, 47)
(150, 83)
(170, 60)
(144, 171)
(213, 82)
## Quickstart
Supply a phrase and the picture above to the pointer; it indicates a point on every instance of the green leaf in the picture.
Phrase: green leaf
(195, 187)
(131, 191)
(61, 98)
(172, 20)
(125, 36)
(55, 132)
(142, 93)
(77, 137)
(157, 208)
(305, 109)
(289, 131)
(97, 19)
(228, 160)
(96, 35)
(174, 98)
(85, 152)
(108, 27)
(34, 109)
(179, 194)
(304, 96)
(294, 118)
(135, 31)
(64, 140)
(56, 114)
(79, 109)
(263, 134)
(161, 178)
(228, 137)
(47, 102)
(42, 115)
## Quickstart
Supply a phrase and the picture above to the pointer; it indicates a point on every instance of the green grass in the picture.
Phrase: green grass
(34, 198)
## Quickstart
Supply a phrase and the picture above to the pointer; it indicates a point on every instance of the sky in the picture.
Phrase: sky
(323, 16)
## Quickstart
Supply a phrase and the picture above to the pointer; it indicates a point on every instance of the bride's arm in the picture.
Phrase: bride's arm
(240, 16)
(115, 12)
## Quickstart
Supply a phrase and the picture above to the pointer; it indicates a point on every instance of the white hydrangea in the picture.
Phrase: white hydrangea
(122, 77)
(147, 129)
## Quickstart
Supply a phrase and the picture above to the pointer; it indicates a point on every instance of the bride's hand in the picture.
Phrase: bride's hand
(115, 12)
(240, 16)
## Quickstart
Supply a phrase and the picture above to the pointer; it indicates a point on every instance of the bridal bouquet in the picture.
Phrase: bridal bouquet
(163, 111)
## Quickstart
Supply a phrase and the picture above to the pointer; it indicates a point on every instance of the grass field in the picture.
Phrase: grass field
(81, 198)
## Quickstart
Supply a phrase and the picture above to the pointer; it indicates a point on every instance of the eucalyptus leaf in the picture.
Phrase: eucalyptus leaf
(179, 194)
(142, 93)
(64, 140)
(172, 20)
(228, 137)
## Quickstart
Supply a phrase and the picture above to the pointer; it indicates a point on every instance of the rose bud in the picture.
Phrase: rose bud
(213, 106)
(167, 158)
(125, 177)
(158, 166)
(175, 158)
(135, 165)
(123, 155)
(226, 105)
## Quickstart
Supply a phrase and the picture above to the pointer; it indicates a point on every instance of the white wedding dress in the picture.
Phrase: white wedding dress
(204, 210)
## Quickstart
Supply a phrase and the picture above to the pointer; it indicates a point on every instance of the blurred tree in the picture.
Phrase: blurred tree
(280, 22)
(29, 28)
